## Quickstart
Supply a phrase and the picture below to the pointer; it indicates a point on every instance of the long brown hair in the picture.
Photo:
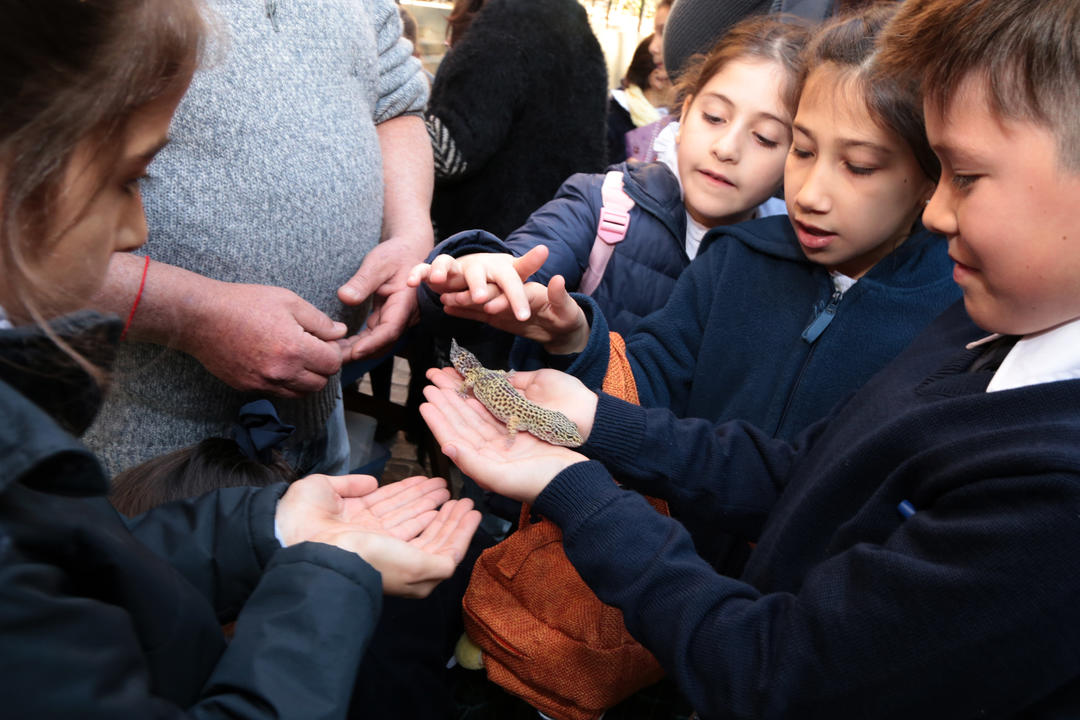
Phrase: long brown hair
(73, 71)
(778, 38)
(849, 43)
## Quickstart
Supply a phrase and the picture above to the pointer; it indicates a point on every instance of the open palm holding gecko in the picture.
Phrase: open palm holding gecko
(476, 442)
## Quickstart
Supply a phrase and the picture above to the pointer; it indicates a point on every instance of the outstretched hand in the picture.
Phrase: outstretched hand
(481, 278)
(382, 276)
(400, 529)
(477, 443)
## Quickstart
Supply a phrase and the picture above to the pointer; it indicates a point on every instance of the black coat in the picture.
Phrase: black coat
(524, 97)
(104, 617)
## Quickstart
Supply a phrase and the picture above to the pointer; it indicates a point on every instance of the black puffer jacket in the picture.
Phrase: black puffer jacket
(524, 97)
(101, 617)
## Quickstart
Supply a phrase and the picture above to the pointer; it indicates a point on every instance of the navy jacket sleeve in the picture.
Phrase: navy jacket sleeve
(664, 347)
(678, 459)
(298, 639)
(873, 630)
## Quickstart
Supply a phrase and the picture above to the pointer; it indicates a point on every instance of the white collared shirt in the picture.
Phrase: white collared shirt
(1047, 356)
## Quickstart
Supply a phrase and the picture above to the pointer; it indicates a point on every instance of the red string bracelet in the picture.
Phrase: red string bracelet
(138, 297)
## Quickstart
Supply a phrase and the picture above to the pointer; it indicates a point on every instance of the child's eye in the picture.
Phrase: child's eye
(713, 119)
(963, 182)
(765, 142)
(799, 153)
(860, 169)
(132, 185)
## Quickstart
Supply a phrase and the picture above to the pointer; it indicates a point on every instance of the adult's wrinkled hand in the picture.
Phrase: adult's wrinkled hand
(382, 277)
(263, 339)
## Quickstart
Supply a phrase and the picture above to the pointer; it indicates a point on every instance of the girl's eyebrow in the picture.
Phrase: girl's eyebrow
(729, 101)
(847, 142)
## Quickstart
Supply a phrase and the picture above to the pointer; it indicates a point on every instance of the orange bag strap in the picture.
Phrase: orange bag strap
(619, 380)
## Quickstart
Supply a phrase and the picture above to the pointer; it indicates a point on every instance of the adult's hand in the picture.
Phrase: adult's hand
(262, 338)
(382, 277)
(547, 388)
(477, 443)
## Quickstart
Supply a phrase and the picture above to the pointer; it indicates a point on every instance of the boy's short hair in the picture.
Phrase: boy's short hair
(1026, 51)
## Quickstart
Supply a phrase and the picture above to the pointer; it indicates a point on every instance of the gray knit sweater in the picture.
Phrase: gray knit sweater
(273, 177)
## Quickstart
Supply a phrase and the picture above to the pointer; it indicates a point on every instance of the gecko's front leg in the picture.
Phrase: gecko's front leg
(512, 424)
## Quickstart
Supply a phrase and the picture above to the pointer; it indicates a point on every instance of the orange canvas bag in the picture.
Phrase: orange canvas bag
(544, 634)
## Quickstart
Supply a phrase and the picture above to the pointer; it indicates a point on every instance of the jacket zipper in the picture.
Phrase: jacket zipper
(818, 324)
(810, 334)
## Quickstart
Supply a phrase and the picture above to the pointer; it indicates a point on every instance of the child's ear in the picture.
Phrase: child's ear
(682, 118)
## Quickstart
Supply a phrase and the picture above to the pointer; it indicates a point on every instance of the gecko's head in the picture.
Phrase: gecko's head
(461, 358)
(564, 432)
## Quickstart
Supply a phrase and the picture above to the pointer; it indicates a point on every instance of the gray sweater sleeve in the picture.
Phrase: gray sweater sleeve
(402, 86)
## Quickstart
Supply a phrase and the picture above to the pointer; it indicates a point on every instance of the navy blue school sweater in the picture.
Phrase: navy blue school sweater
(848, 608)
(755, 331)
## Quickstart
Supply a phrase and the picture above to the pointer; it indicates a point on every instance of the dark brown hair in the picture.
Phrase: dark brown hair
(192, 471)
(74, 71)
(778, 38)
(848, 43)
(459, 19)
(1027, 53)
(641, 65)
(409, 30)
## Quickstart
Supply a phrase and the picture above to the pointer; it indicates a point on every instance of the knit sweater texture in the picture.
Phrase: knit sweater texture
(273, 177)
(524, 97)
(962, 605)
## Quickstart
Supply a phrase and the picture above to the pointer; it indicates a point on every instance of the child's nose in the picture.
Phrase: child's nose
(132, 232)
(725, 146)
(813, 195)
(938, 216)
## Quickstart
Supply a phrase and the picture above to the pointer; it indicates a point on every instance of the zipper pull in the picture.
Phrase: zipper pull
(818, 324)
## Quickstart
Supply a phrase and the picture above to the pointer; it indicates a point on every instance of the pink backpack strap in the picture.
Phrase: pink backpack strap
(614, 222)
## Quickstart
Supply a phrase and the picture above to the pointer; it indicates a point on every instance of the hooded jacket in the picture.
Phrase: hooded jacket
(107, 617)
(755, 331)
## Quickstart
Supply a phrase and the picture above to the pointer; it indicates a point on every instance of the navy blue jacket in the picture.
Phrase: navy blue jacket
(967, 609)
(753, 330)
(645, 265)
(105, 617)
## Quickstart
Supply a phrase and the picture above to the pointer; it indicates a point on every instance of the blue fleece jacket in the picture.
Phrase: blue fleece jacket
(850, 608)
(755, 331)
